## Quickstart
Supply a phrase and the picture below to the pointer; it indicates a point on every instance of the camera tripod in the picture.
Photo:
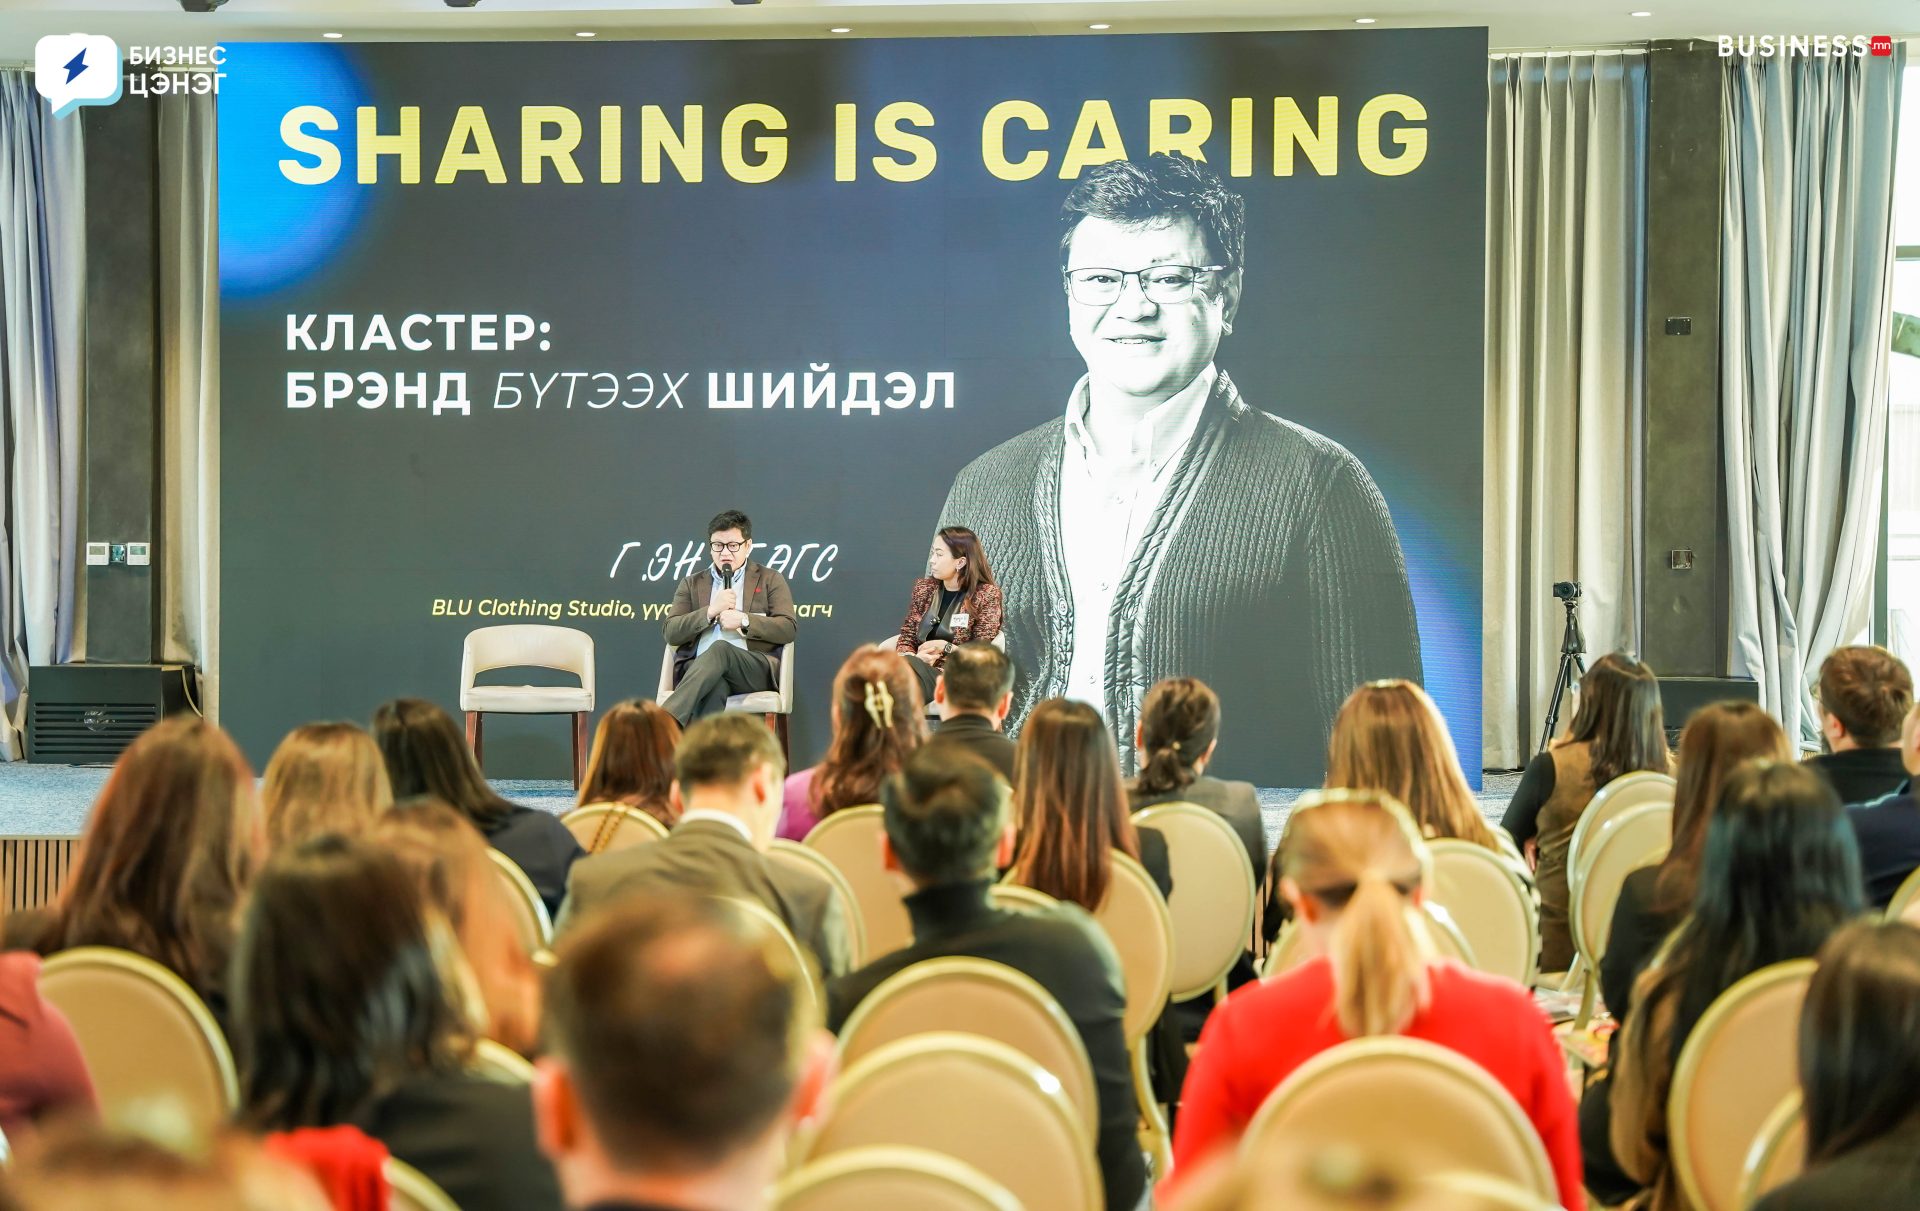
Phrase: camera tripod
(1573, 646)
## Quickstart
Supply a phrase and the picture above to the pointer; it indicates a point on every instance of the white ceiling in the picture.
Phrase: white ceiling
(1511, 23)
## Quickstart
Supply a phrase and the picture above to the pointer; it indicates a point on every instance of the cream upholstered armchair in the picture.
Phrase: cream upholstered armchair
(528, 645)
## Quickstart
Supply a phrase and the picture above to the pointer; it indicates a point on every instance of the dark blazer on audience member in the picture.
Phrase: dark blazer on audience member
(472, 1136)
(709, 856)
(1881, 1175)
(978, 736)
(1861, 775)
(1067, 954)
(542, 847)
(1153, 856)
(1234, 802)
(1637, 931)
(1888, 831)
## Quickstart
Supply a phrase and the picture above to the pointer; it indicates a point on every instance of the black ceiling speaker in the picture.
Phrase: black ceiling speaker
(460, 3)
(201, 6)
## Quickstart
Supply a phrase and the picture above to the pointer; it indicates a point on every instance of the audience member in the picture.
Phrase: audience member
(427, 755)
(947, 832)
(684, 1050)
(973, 696)
(1617, 729)
(324, 778)
(43, 1076)
(1355, 870)
(1888, 828)
(1778, 874)
(878, 718)
(631, 765)
(727, 796)
(1072, 809)
(1864, 693)
(1389, 737)
(1178, 730)
(166, 857)
(1718, 739)
(956, 602)
(1860, 1075)
(88, 1167)
(448, 859)
(353, 1006)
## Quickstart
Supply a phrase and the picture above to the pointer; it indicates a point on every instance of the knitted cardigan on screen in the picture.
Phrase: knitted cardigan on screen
(1270, 569)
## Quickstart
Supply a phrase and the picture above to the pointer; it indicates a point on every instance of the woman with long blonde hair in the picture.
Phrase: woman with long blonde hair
(1389, 737)
(878, 718)
(324, 778)
(1355, 869)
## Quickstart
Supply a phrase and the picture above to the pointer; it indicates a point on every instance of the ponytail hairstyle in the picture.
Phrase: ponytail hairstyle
(1179, 721)
(878, 719)
(1389, 737)
(1071, 807)
(1357, 854)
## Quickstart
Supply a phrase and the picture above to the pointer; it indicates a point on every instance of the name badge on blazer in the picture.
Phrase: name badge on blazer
(961, 619)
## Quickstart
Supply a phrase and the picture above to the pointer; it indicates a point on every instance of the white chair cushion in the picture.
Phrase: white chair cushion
(527, 699)
(765, 702)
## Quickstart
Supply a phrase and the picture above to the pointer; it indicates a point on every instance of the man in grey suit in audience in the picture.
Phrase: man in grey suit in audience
(728, 775)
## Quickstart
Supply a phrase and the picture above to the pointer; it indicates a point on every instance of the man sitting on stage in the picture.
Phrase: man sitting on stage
(728, 624)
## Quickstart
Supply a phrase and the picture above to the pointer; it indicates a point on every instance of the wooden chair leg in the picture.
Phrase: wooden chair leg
(473, 737)
(579, 747)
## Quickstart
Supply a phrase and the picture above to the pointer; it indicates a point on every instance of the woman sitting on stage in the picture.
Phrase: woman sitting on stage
(956, 602)
(878, 718)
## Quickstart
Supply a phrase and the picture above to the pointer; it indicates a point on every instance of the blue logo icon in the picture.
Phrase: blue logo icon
(71, 70)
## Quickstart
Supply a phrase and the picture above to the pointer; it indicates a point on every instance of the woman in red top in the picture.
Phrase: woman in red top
(1354, 868)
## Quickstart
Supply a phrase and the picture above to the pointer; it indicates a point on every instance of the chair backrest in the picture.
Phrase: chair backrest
(795, 951)
(1137, 922)
(530, 919)
(977, 997)
(1016, 898)
(850, 839)
(147, 1038)
(1442, 1112)
(665, 688)
(1779, 1152)
(796, 856)
(603, 828)
(527, 645)
(996, 1110)
(1623, 794)
(1290, 948)
(1905, 905)
(888, 1178)
(1213, 912)
(411, 1190)
(1629, 841)
(500, 1064)
(1490, 904)
(1734, 1068)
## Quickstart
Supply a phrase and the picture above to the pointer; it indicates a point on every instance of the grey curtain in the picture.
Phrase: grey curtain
(1806, 267)
(42, 297)
(188, 546)
(1566, 167)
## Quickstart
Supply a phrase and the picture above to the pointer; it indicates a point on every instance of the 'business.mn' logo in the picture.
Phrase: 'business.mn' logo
(71, 70)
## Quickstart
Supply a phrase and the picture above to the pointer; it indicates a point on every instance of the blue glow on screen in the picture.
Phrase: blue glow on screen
(1446, 600)
(274, 233)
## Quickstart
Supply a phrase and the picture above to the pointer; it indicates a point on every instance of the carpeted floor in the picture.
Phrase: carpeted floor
(52, 800)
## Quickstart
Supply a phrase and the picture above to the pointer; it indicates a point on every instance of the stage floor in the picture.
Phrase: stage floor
(53, 800)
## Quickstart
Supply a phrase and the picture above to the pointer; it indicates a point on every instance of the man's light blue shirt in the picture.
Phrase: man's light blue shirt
(716, 633)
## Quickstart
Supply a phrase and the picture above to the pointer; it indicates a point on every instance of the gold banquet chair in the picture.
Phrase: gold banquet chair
(888, 1179)
(1490, 905)
(149, 1042)
(500, 1064)
(1733, 1071)
(1439, 1112)
(975, 996)
(850, 840)
(1637, 789)
(1778, 1154)
(1137, 922)
(1905, 905)
(808, 966)
(795, 856)
(997, 1111)
(528, 645)
(605, 828)
(776, 704)
(1442, 936)
(1213, 914)
(1631, 840)
(411, 1190)
(531, 923)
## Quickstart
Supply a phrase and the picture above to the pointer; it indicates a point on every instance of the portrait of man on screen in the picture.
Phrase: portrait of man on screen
(1164, 524)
